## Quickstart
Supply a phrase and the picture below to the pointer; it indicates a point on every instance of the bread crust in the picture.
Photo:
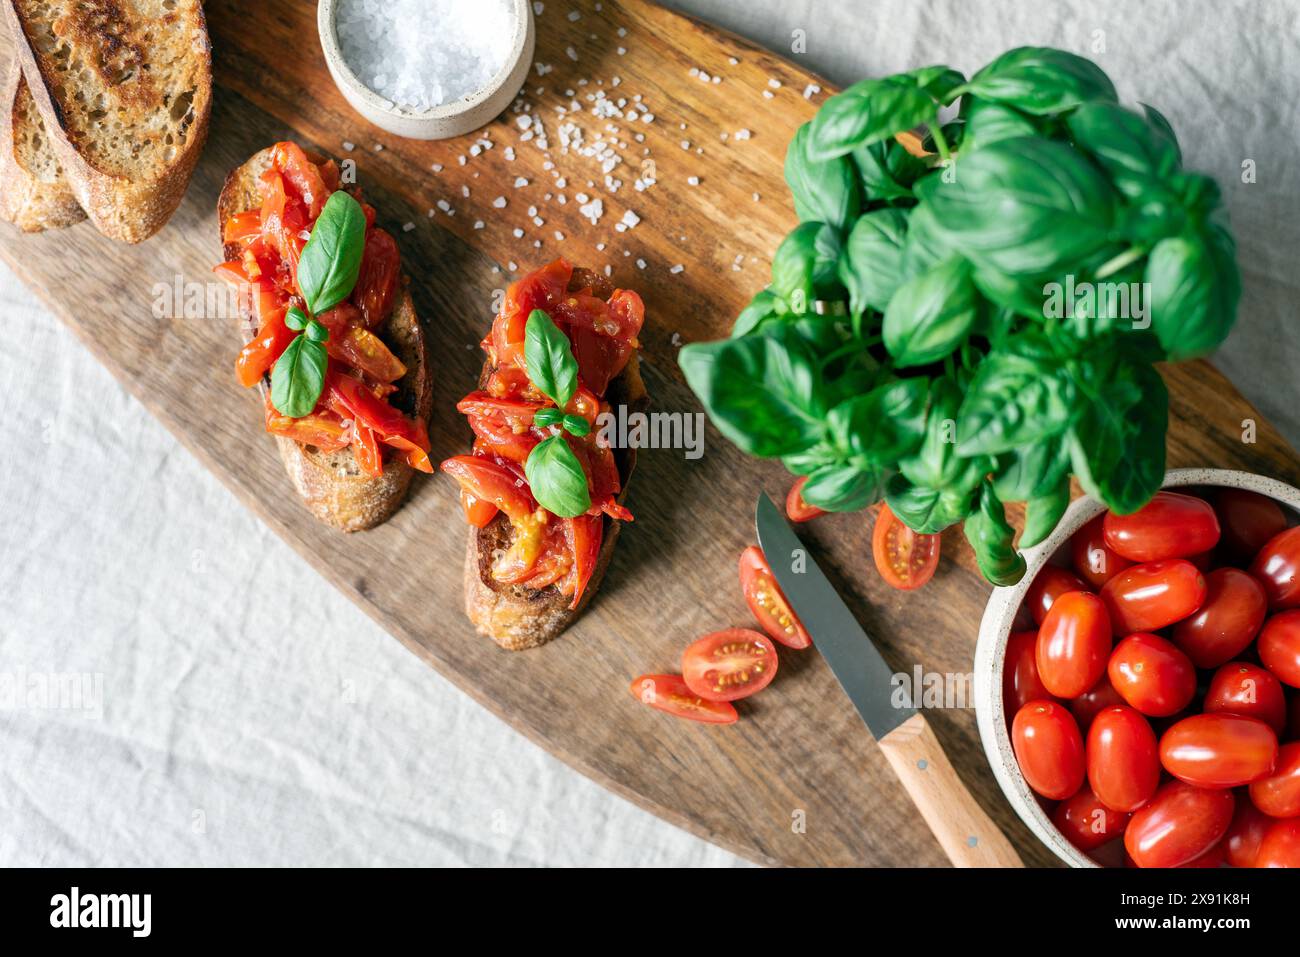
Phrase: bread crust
(332, 485)
(31, 199)
(128, 208)
(517, 617)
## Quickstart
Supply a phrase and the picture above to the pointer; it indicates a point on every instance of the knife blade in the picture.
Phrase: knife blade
(853, 657)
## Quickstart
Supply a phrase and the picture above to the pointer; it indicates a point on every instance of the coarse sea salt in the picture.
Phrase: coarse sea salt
(421, 54)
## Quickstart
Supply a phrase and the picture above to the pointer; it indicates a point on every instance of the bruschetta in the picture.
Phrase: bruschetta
(348, 405)
(543, 488)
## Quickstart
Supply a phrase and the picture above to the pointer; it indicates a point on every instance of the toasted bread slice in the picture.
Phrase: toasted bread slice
(124, 88)
(517, 617)
(331, 483)
(34, 195)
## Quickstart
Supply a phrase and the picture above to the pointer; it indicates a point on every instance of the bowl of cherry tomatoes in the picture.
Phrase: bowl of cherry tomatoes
(1138, 692)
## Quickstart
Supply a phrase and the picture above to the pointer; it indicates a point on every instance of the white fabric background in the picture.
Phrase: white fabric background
(253, 716)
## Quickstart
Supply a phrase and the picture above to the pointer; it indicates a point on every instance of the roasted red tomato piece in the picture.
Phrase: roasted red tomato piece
(795, 507)
(489, 482)
(1152, 675)
(905, 559)
(767, 602)
(669, 693)
(1178, 825)
(1086, 822)
(1050, 584)
(1277, 567)
(1094, 560)
(1244, 688)
(376, 289)
(1171, 525)
(1149, 597)
(1073, 644)
(730, 664)
(1123, 759)
(1219, 750)
(1279, 647)
(1049, 749)
(1228, 620)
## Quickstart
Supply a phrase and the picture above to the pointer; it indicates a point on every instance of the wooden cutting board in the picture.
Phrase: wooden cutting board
(798, 780)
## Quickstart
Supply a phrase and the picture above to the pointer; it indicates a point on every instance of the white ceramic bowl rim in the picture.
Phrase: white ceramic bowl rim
(327, 23)
(995, 631)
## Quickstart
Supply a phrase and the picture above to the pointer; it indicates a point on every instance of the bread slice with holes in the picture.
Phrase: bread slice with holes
(331, 484)
(517, 617)
(124, 88)
(34, 194)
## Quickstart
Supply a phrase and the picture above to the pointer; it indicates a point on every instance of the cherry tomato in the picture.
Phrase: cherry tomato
(1178, 825)
(1219, 750)
(1052, 582)
(1169, 526)
(1094, 560)
(1248, 520)
(1149, 597)
(767, 601)
(669, 693)
(1092, 702)
(904, 559)
(1152, 675)
(1227, 622)
(795, 507)
(1214, 857)
(1277, 566)
(1248, 827)
(1278, 795)
(1086, 822)
(1240, 687)
(1049, 749)
(730, 664)
(1123, 759)
(1073, 644)
(1020, 681)
(1281, 845)
(1293, 719)
(1279, 647)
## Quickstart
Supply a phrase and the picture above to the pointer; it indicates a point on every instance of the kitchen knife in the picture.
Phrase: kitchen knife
(967, 835)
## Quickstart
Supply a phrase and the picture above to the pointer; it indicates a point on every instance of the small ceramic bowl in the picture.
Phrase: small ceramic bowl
(999, 621)
(443, 122)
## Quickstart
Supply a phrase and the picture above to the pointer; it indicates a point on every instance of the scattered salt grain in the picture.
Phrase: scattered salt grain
(407, 227)
(349, 146)
(811, 90)
(478, 224)
(499, 202)
(676, 269)
(742, 134)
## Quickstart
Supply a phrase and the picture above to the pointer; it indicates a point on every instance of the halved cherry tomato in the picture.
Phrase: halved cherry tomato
(1178, 825)
(904, 559)
(1152, 675)
(1050, 584)
(1277, 567)
(1219, 750)
(1073, 644)
(1240, 687)
(1086, 822)
(1149, 597)
(1123, 759)
(1248, 520)
(1092, 702)
(302, 176)
(1279, 647)
(1094, 560)
(391, 426)
(478, 512)
(1249, 824)
(730, 664)
(1281, 845)
(1020, 681)
(768, 602)
(1049, 749)
(489, 482)
(1169, 526)
(1227, 621)
(1278, 795)
(669, 693)
(322, 430)
(795, 507)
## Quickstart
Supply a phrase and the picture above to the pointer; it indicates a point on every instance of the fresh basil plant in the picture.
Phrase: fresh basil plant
(949, 380)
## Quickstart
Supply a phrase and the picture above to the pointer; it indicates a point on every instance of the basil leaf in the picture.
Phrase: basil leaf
(992, 538)
(1014, 400)
(936, 464)
(298, 377)
(1126, 145)
(295, 319)
(557, 479)
(765, 304)
(868, 112)
(924, 246)
(1026, 206)
(927, 511)
(987, 122)
(1195, 288)
(871, 263)
(547, 416)
(764, 393)
(886, 170)
(1031, 471)
(549, 359)
(930, 315)
(805, 266)
(824, 191)
(1161, 125)
(576, 425)
(842, 487)
(1040, 80)
(331, 260)
(882, 426)
(1044, 511)
(940, 82)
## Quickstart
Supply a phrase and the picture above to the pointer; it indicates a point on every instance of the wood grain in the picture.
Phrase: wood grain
(797, 780)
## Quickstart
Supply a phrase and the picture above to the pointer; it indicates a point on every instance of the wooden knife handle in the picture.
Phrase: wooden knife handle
(967, 835)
